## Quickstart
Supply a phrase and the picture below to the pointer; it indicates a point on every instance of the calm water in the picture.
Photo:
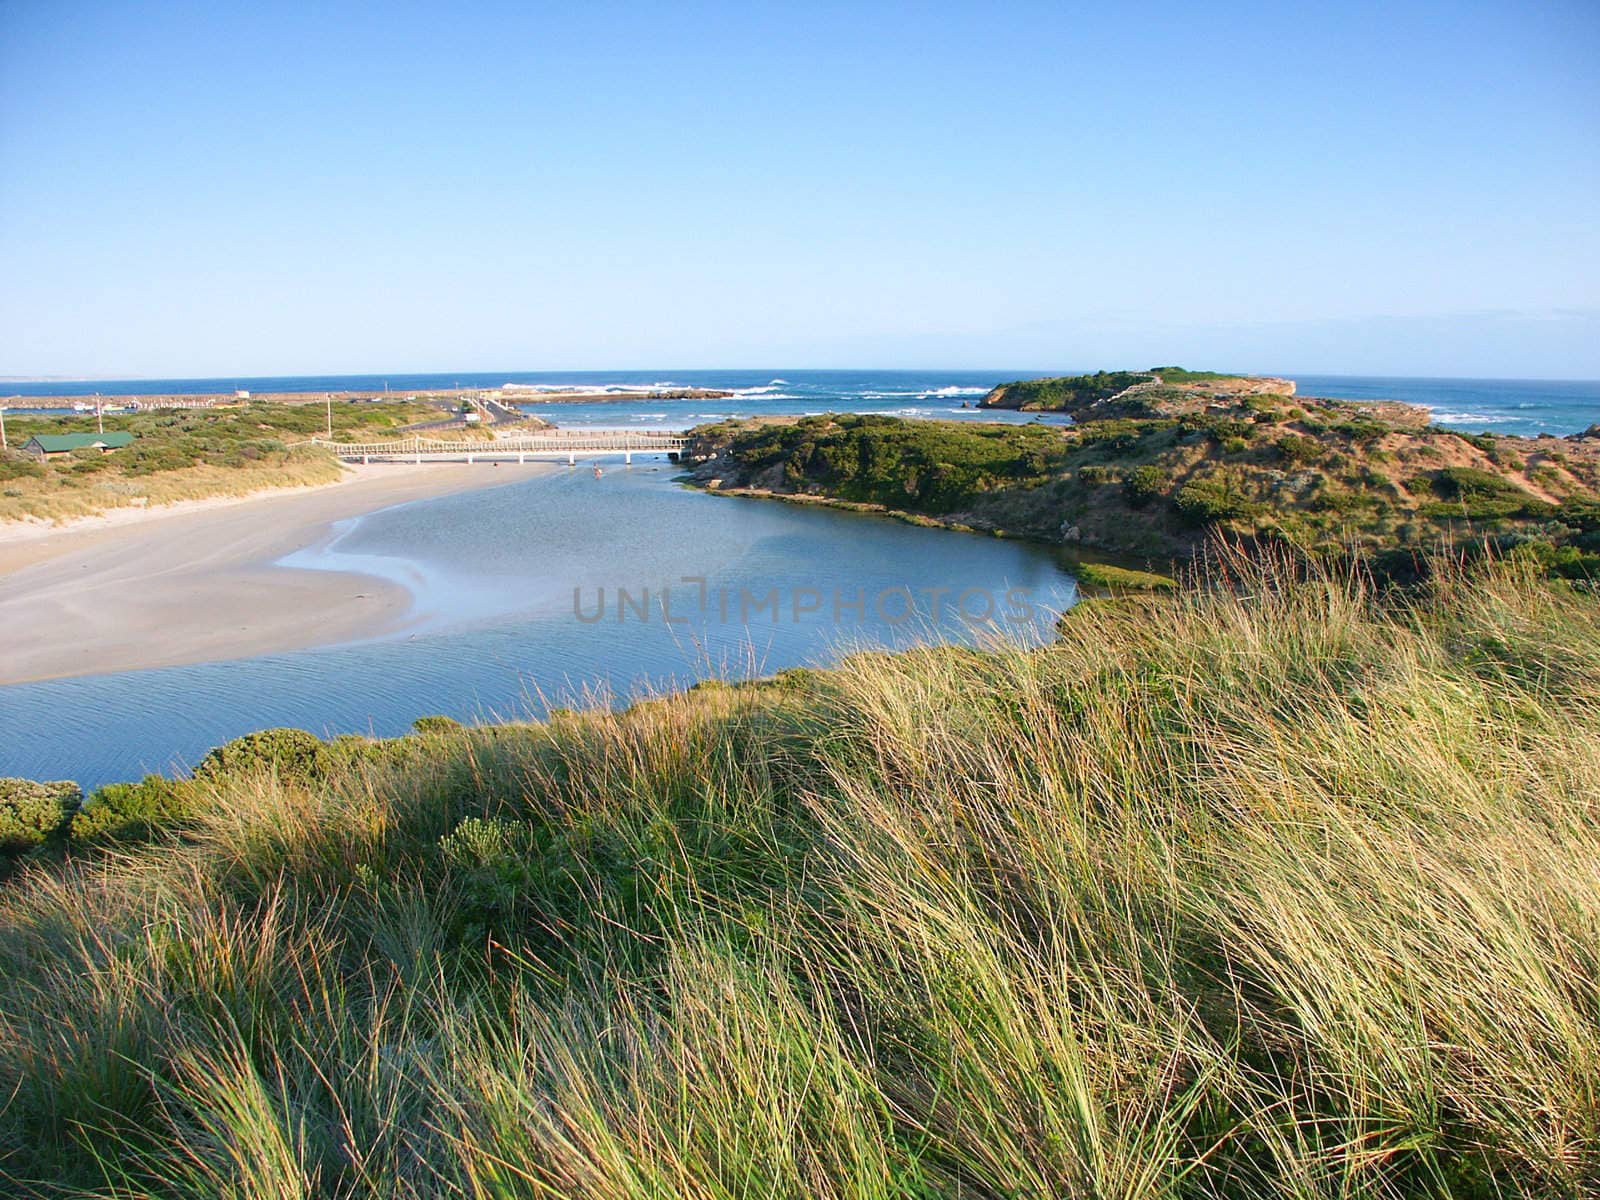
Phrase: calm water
(501, 632)
(1475, 405)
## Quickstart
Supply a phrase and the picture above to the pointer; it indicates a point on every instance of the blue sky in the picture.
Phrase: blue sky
(223, 189)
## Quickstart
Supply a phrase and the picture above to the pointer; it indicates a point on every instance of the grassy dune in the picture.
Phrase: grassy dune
(1272, 887)
(230, 450)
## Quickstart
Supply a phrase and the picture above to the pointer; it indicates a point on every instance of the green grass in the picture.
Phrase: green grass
(1276, 887)
(1114, 578)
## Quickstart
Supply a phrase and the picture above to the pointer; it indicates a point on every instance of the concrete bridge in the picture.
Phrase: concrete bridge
(547, 443)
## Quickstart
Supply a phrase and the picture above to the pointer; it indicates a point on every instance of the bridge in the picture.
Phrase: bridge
(547, 443)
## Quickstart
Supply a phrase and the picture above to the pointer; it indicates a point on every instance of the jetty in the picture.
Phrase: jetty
(570, 444)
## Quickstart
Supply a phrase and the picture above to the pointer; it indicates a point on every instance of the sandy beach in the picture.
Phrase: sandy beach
(195, 582)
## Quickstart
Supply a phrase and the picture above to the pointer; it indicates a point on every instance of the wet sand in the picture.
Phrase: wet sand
(196, 584)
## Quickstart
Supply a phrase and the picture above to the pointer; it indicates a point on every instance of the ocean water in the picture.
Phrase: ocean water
(548, 591)
(1525, 407)
(1473, 405)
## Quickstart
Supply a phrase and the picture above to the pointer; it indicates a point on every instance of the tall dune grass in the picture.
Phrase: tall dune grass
(1273, 888)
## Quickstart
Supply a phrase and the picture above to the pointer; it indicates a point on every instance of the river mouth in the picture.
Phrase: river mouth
(542, 592)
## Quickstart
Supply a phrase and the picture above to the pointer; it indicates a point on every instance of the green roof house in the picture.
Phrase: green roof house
(47, 445)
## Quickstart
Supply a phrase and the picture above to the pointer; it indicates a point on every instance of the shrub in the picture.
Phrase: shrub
(1478, 495)
(1504, 458)
(292, 754)
(1268, 404)
(1221, 429)
(129, 811)
(491, 861)
(1297, 449)
(1582, 515)
(1567, 562)
(1095, 474)
(18, 466)
(33, 813)
(1340, 501)
(435, 724)
(1205, 501)
(1361, 429)
(1145, 483)
(924, 466)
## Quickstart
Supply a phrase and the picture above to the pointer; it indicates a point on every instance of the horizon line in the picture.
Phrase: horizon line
(1013, 369)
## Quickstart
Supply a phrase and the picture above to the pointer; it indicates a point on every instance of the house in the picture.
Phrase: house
(46, 446)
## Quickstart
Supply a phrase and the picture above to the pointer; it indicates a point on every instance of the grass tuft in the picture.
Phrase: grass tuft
(1275, 886)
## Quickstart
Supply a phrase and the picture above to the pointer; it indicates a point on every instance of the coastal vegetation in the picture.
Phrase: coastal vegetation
(1177, 375)
(184, 454)
(1279, 885)
(1326, 477)
(1063, 392)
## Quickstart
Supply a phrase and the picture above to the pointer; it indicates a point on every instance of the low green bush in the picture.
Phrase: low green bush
(1296, 449)
(1476, 494)
(293, 755)
(1144, 484)
(435, 724)
(1211, 499)
(18, 466)
(33, 813)
(120, 812)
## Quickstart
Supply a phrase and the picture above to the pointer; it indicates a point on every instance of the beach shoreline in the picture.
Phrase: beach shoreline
(197, 581)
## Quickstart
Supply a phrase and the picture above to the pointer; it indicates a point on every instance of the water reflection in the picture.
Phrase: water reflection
(497, 574)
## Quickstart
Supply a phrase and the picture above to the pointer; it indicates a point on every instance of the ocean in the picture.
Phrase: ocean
(1518, 406)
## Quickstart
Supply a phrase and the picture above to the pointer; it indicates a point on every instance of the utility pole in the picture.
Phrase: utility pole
(2, 426)
(99, 417)
(328, 396)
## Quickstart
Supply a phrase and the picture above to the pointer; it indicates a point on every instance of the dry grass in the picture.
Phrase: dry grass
(49, 499)
(1271, 888)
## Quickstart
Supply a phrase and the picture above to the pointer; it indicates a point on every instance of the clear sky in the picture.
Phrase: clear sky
(229, 189)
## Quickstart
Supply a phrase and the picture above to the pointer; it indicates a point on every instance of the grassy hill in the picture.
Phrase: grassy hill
(1277, 887)
(185, 454)
(1088, 396)
(1322, 475)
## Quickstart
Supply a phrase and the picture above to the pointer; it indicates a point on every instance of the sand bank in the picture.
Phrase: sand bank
(194, 582)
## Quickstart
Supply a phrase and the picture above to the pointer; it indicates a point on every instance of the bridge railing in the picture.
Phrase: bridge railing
(552, 441)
